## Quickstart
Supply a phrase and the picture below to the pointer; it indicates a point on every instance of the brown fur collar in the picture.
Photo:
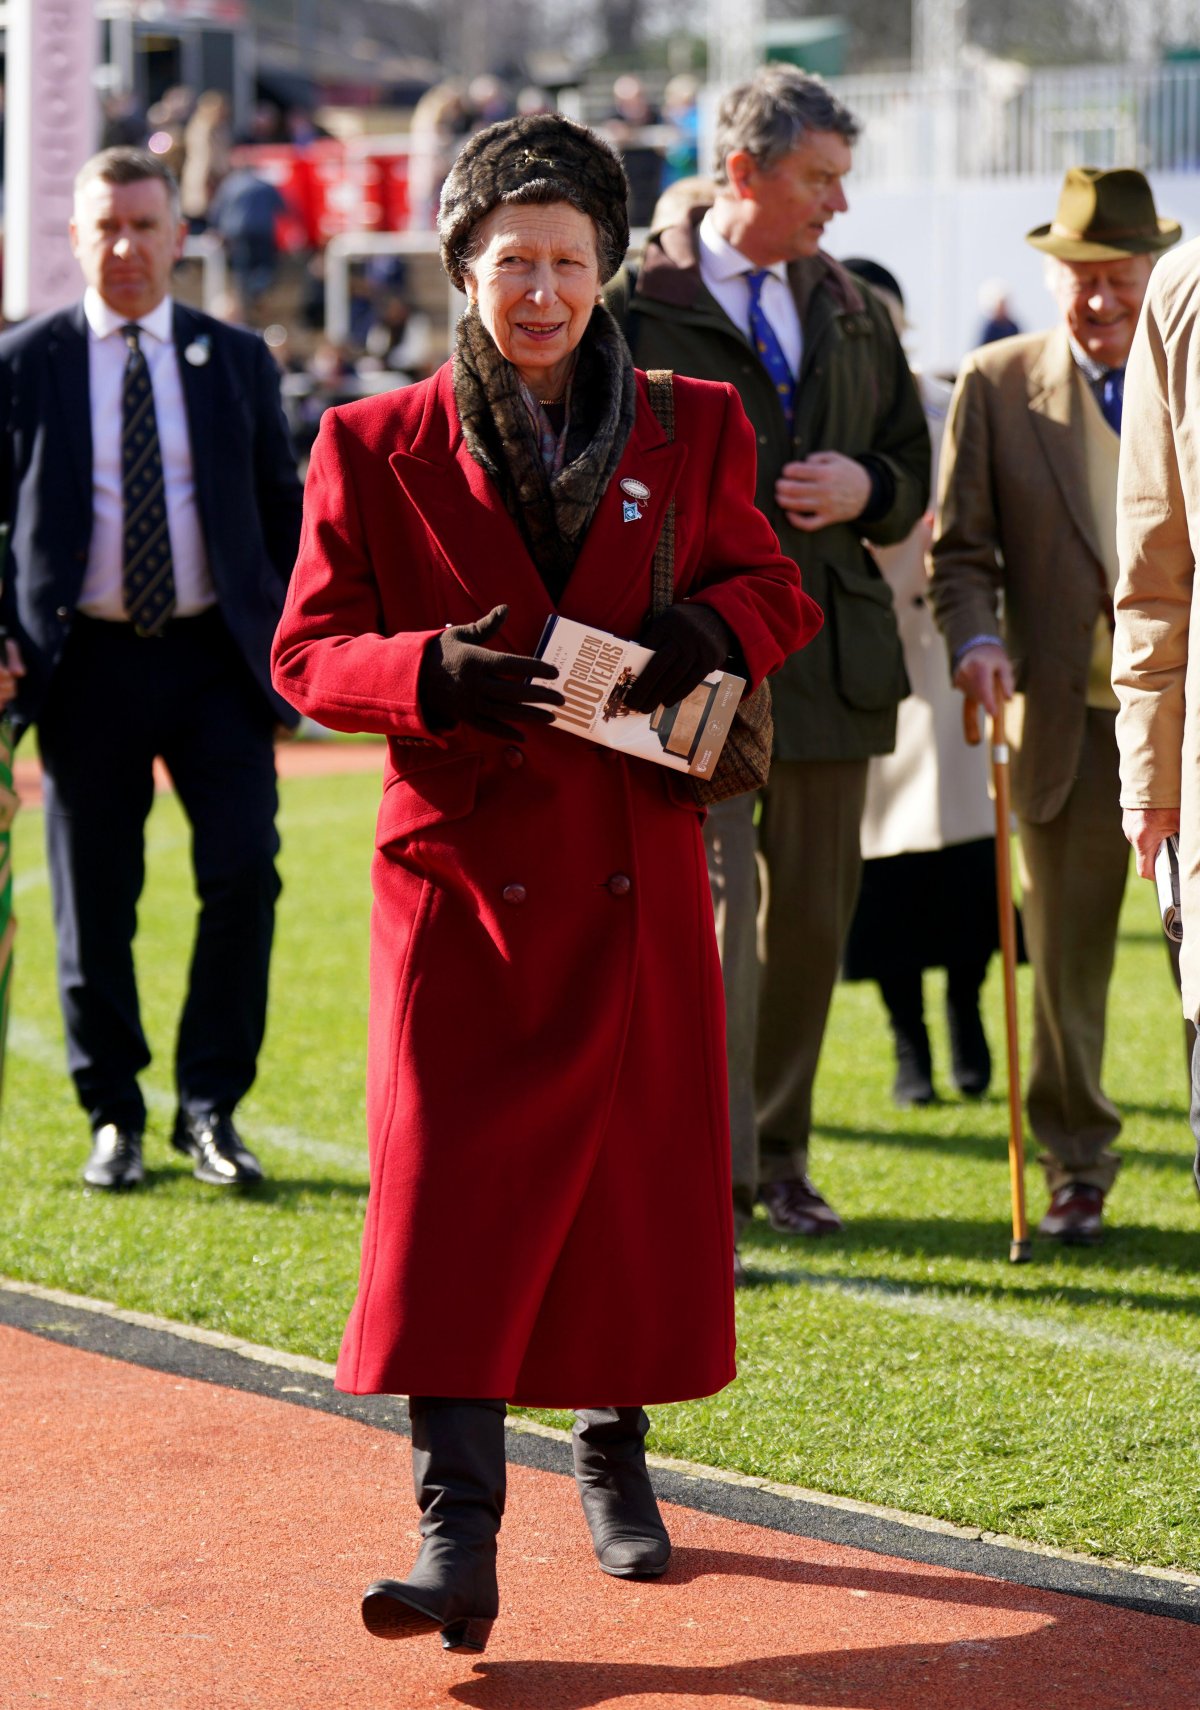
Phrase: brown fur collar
(552, 514)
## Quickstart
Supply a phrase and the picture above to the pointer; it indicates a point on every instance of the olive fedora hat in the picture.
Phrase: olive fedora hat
(1103, 216)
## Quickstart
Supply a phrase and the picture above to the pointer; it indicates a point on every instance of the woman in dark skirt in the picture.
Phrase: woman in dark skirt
(928, 897)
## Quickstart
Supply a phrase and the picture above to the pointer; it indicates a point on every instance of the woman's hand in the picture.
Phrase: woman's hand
(462, 682)
(689, 641)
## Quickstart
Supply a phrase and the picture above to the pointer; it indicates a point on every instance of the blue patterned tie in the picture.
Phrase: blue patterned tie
(1112, 396)
(767, 345)
(147, 579)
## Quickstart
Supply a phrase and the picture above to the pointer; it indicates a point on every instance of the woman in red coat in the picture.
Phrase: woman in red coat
(548, 1220)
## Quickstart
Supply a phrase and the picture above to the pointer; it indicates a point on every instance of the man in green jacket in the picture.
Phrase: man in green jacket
(741, 292)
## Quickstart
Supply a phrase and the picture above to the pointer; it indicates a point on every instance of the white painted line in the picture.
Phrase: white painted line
(533, 1428)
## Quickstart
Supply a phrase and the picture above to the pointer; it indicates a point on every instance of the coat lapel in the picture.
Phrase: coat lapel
(197, 381)
(67, 354)
(466, 517)
(610, 584)
(1058, 425)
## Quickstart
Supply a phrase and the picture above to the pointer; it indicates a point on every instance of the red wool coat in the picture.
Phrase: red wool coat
(549, 1213)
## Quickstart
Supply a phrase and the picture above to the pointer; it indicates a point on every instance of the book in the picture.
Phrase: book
(595, 671)
(1166, 877)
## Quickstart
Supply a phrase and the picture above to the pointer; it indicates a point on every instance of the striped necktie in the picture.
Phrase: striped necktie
(147, 576)
(768, 345)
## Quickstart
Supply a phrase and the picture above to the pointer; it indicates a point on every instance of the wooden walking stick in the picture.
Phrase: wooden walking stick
(1019, 1251)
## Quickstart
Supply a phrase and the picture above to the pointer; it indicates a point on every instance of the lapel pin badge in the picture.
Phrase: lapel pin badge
(199, 351)
(636, 493)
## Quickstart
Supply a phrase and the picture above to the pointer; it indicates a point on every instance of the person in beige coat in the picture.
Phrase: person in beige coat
(1155, 674)
(1028, 512)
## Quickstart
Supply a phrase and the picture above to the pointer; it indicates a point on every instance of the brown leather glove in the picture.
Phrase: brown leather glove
(689, 641)
(462, 682)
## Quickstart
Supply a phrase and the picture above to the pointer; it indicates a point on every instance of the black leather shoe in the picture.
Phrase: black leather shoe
(116, 1160)
(216, 1146)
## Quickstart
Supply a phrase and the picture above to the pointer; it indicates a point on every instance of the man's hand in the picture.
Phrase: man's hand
(12, 669)
(1146, 828)
(826, 488)
(979, 672)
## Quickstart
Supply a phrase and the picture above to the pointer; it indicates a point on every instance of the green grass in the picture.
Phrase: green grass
(907, 1363)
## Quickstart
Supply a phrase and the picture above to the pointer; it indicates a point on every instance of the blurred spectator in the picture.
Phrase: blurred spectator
(632, 113)
(488, 101)
(400, 340)
(439, 123)
(678, 200)
(266, 125)
(123, 124)
(207, 143)
(681, 110)
(371, 280)
(166, 123)
(301, 128)
(531, 100)
(244, 211)
(928, 897)
(997, 321)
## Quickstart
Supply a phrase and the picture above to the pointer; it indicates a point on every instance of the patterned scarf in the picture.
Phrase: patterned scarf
(552, 510)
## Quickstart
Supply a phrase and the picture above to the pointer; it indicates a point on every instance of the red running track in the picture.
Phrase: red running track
(167, 1544)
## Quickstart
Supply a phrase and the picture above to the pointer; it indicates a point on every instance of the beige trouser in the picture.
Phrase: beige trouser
(1073, 872)
(780, 955)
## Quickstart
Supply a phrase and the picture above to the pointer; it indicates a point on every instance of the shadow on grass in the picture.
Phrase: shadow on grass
(991, 1147)
(1127, 1248)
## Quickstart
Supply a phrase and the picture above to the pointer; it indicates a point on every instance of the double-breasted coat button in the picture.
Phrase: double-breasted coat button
(620, 884)
(62, 614)
(513, 893)
(513, 756)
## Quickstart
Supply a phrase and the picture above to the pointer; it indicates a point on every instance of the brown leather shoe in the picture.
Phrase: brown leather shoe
(1075, 1215)
(796, 1208)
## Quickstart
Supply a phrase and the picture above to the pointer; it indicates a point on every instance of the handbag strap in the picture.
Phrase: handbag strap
(661, 385)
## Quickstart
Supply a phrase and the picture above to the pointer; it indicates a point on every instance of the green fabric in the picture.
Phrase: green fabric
(836, 699)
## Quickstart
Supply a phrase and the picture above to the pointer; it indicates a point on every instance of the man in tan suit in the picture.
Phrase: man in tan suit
(1028, 510)
(1155, 674)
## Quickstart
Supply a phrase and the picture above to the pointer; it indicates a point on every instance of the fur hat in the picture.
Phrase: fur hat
(539, 158)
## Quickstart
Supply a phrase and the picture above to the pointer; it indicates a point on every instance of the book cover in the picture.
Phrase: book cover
(595, 670)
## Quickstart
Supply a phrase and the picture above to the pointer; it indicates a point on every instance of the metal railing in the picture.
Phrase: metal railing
(1000, 120)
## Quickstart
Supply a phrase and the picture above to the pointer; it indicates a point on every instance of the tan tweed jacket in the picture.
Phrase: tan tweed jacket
(1156, 672)
(1015, 519)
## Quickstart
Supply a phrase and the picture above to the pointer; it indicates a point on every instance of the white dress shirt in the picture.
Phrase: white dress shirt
(723, 270)
(102, 595)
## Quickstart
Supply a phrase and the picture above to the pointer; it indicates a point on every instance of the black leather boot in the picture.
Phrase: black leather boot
(914, 1065)
(609, 1445)
(458, 1475)
(970, 1058)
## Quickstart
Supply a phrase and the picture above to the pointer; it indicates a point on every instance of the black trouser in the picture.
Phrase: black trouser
(116, 702)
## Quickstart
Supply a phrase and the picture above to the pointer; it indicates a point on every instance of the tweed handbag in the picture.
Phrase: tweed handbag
(745, 759)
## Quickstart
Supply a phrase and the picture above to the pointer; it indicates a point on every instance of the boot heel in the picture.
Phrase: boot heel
(469, 1634)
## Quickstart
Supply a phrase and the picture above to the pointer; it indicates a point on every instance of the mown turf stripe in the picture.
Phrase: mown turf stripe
(27, 1040)
(209, 1356)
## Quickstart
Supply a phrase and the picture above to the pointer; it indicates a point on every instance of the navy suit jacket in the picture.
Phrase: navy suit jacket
(248, 493)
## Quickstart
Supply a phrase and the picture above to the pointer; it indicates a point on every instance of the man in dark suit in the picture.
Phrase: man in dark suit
(152, 494)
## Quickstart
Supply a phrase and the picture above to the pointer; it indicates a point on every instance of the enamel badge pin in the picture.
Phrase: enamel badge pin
(199, 351)
(636, 494)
